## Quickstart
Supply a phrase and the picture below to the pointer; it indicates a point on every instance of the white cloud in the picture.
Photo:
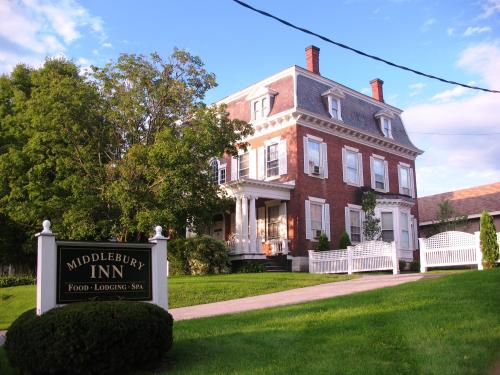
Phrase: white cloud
(476, 30)
(107, 45)
(450, 31)
(466, 158)
(33, 29)
(490, 7)
(416, 88)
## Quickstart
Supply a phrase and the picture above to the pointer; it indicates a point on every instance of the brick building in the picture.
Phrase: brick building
(316, 144)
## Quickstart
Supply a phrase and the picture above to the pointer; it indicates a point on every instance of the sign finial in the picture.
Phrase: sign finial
(46, 226)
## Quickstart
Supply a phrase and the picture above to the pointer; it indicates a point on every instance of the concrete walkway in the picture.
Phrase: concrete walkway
(293, 296)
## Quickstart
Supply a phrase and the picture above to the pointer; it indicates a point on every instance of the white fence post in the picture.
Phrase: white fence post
(395, 260)
(159, 268)
(311, 270)
(46, 270)
(423, 262)
(349, 260)
(479, 253)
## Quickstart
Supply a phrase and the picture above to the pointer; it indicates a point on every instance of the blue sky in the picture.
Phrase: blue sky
(459, 40)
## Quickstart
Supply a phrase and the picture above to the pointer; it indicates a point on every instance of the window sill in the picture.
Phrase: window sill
(352, 184)
(272, 178)
(320, 176)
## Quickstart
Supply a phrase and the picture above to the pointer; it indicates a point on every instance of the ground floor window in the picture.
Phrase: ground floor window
(355, 225)
(316, 219)
(405, 232)
(387, 225)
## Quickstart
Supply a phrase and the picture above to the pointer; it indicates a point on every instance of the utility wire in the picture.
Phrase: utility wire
(264, 13)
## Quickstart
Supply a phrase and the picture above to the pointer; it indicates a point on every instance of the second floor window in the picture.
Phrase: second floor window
(352, 167)
(379, 173)
(314, 156)
(217, 172)
(272, 160)
(404, 180)
(244, 165)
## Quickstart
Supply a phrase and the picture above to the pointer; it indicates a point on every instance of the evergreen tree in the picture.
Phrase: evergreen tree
(344, 241)
(323, 243)
(448, 219)
(489, 243)
(371, 224)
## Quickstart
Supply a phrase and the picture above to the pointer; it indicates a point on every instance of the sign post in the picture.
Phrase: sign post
(78, 271)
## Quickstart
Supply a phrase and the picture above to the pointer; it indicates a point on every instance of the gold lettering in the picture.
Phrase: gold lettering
(71, 265)
(141, 265)
(133, 262)
(117, 271)
(118, 257)
(104, 271)
(92, 273)
(111, 256)
(95, 257)
(86, 259)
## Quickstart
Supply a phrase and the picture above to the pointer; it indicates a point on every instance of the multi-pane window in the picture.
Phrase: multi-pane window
(222, 175)
(334, 108)
(405, 232)
(352, 166)
(387, 226)
(214, 171)
(404, 180)
(273, 221)
(260, 108)
(379, 173)
(244, 165)
(386, 127)
(355, 225)
(314, 156)
(272, 160)
(316, 219)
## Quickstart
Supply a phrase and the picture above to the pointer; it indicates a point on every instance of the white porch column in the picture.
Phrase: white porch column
(244, 223)
(238, 224)
(253, 225)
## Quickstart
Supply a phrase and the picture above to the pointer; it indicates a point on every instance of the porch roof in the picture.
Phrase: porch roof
(260, 188)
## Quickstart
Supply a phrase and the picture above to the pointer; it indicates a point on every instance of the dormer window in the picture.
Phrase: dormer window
(384, 119)
(217, 172)
(261, 101)
(333, 97)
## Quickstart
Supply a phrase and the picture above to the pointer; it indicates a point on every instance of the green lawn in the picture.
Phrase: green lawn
(185, 290)
(448, 325)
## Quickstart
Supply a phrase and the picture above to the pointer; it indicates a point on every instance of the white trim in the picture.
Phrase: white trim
(317, 200)
(347, 217)
(411, 191)
(269, 142)
(314, 138)
(350, 148)
(374, 157)
(359, 168)
(473, 216)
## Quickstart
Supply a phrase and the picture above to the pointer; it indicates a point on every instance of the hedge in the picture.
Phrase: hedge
(106, 337)
(15, 280)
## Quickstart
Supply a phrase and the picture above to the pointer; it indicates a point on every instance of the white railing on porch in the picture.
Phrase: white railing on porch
(278, 246)
(451, 249)
(238, 246)
(366, 256)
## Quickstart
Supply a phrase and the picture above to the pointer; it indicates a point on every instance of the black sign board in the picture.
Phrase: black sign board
(103, 271)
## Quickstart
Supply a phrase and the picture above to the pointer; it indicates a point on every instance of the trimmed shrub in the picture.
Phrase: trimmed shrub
(323, 243)
(251, 267)
(402, 265)
(344, 240)
(16, 280)
(90, 338)
(489, 243)
(415, 266)
(200, 255)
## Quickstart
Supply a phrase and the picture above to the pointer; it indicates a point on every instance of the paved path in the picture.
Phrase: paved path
(293, 296)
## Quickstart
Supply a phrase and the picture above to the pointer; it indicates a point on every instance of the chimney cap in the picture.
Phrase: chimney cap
(312, 47)
(378, 80)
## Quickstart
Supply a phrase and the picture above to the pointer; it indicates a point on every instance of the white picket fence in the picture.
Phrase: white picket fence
(366, 256)
(451, 249)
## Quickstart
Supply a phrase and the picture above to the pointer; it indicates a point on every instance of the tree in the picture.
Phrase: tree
(114, 152)
(489, 242)
(371, 224)
(448, 219)
(344, 240)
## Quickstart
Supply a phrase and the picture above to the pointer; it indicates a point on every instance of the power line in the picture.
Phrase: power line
(466, 134)
(264, 13)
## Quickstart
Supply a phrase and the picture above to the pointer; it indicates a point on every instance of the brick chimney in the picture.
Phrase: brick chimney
(377, 91)
(312, 59)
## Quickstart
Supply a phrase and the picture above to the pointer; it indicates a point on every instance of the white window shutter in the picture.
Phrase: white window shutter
(261, 169)
(326, 221)
(344, 165)
(386, 173)
(252, 173)
(325, 159)
(360, 171)
(282, 155)
(234, 169)
(412, 184)
(347, 221)
(308, 220)
(283, 224)
(306, 158)
(372, 172)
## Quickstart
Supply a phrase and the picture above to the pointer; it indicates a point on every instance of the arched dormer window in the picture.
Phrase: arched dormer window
(384, 118)
(261, 102)
(334, 97)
